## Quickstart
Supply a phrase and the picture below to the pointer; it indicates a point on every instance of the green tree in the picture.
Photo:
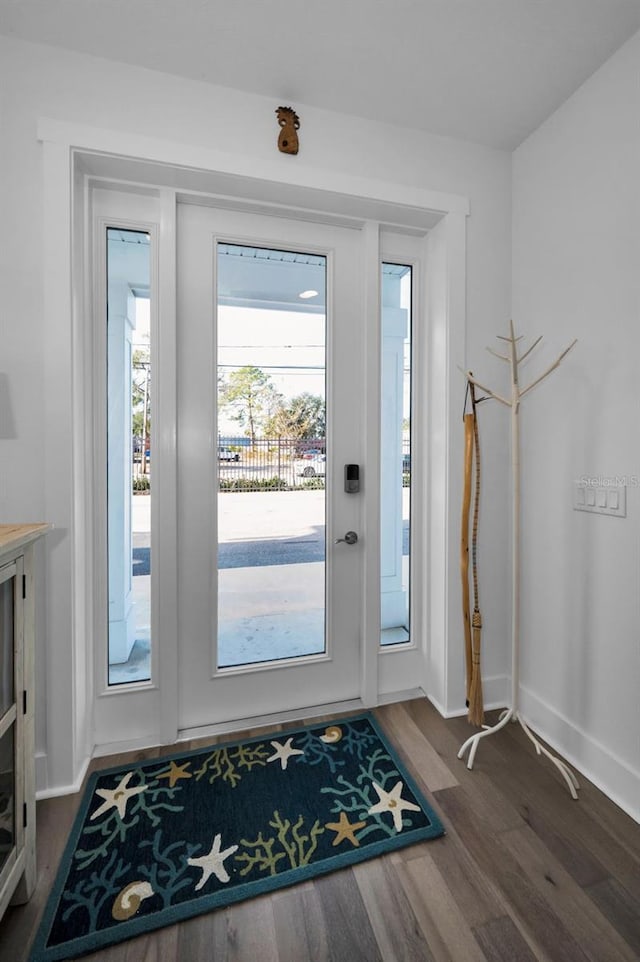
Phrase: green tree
(301, 418)
(251, 396)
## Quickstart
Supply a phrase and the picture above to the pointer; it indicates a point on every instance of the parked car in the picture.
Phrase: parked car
(226, 454)
(137, 451)
(313, 468)
(309, 454)
(406, 463)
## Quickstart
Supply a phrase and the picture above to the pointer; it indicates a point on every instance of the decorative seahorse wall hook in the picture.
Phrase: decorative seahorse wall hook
(290, 124)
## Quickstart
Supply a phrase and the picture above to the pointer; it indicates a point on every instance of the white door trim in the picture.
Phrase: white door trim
(165, 442)
(397, 663)
(68, 151)
(209, 694)
(371, 482)
(148, 709)
(201, 162)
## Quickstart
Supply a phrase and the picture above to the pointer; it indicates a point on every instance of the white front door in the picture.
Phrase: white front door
(270, 408)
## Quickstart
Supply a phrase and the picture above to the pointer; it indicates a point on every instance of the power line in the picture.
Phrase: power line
(278, 367)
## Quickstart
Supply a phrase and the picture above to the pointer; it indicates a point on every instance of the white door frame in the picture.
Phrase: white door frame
(72, 153)
(116, 713)
(212, 696)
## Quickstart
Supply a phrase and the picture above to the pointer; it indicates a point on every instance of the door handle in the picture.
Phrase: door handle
(350, 538)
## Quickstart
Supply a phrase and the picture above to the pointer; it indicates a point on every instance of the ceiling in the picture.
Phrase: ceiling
(488, 71)
(271, 279)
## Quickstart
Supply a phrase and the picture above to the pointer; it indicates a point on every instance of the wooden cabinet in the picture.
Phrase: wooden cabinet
(17, 697)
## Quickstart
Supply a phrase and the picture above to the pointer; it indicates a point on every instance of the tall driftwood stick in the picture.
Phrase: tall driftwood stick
(476, 702)
(464, 544)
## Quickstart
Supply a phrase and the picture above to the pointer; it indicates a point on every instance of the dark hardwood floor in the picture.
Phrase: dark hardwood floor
(524, 873)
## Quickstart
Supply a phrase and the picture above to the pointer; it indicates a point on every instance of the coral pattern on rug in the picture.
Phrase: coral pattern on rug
(167, 839)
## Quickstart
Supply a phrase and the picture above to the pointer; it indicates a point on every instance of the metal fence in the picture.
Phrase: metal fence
(280, 464)
(269, 464)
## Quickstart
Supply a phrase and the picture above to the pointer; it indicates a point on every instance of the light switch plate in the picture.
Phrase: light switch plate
(601, 499)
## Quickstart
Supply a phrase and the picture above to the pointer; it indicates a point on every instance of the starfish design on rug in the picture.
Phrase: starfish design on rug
(117, 797)
(176, 772)
(345, 829)
(284, 752)
(213, 863)
(394, 803)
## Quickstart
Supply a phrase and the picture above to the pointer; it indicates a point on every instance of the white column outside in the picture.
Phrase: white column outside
(395, 321)
(120, 325)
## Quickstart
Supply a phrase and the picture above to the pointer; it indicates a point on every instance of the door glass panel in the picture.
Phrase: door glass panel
(6, 645)
(395, 481)
(7, 800)
(271, 454)
(129, 455)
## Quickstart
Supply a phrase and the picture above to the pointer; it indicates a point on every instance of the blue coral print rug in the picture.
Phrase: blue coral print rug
(163, 840)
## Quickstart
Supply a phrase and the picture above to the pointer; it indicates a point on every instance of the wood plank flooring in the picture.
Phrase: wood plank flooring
(524, 873)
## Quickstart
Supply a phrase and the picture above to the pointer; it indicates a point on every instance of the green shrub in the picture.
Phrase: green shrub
(141, 483)
(253, 484)
(315, 484)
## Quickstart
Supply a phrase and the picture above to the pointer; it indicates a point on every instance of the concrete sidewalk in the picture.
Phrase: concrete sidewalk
(263, 616)
(247, 515)
(259, 514)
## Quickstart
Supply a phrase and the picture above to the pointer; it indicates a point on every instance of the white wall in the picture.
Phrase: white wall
(38, 81)
(576, 273)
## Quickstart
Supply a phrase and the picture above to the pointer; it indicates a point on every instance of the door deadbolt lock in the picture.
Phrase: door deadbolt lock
(350, 538)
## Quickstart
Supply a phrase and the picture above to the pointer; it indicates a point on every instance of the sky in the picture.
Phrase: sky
(289, 346)
(140, 335)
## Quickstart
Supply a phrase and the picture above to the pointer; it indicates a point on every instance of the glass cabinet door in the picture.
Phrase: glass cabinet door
(7, 796)
(10, 718)
(7, 681)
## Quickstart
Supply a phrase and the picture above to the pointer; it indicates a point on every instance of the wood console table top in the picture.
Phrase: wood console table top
(18, 535)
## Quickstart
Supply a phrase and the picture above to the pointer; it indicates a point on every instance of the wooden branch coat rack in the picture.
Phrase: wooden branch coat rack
(513, 712)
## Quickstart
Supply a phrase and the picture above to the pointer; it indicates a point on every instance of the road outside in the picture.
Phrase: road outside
(290, 525)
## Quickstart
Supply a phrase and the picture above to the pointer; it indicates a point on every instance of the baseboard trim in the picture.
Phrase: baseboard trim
(410, 694)
(42, 772)
(58, 790)
(225, 728)
(296, 714)
(494, 693)
(611, 774)
(127, 745)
